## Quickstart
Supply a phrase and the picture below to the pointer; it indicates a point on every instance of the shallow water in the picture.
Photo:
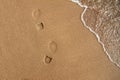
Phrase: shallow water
(102, 17)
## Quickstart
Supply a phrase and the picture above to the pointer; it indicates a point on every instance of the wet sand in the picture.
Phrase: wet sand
(102, 19)
(46, 40)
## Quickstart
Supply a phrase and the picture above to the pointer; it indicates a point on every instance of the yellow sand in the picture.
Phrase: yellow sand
(24, 45)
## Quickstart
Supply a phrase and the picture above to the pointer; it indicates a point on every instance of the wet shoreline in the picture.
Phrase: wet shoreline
(94, 32)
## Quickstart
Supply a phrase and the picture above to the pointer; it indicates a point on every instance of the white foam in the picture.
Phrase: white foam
(98, 38)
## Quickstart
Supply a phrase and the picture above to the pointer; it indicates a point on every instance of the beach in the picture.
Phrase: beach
(47, 40)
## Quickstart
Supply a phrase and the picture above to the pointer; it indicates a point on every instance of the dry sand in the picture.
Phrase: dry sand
(46, 40)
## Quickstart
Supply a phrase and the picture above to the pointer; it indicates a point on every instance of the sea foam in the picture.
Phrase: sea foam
(113, 56)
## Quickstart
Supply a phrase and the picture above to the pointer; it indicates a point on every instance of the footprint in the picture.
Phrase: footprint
(40, 26)
(52, 46)
(47, 59)
(36, 13)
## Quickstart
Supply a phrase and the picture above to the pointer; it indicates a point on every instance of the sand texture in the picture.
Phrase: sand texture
(47, 40)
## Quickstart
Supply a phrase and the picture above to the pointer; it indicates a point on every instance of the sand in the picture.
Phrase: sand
(46, 40)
